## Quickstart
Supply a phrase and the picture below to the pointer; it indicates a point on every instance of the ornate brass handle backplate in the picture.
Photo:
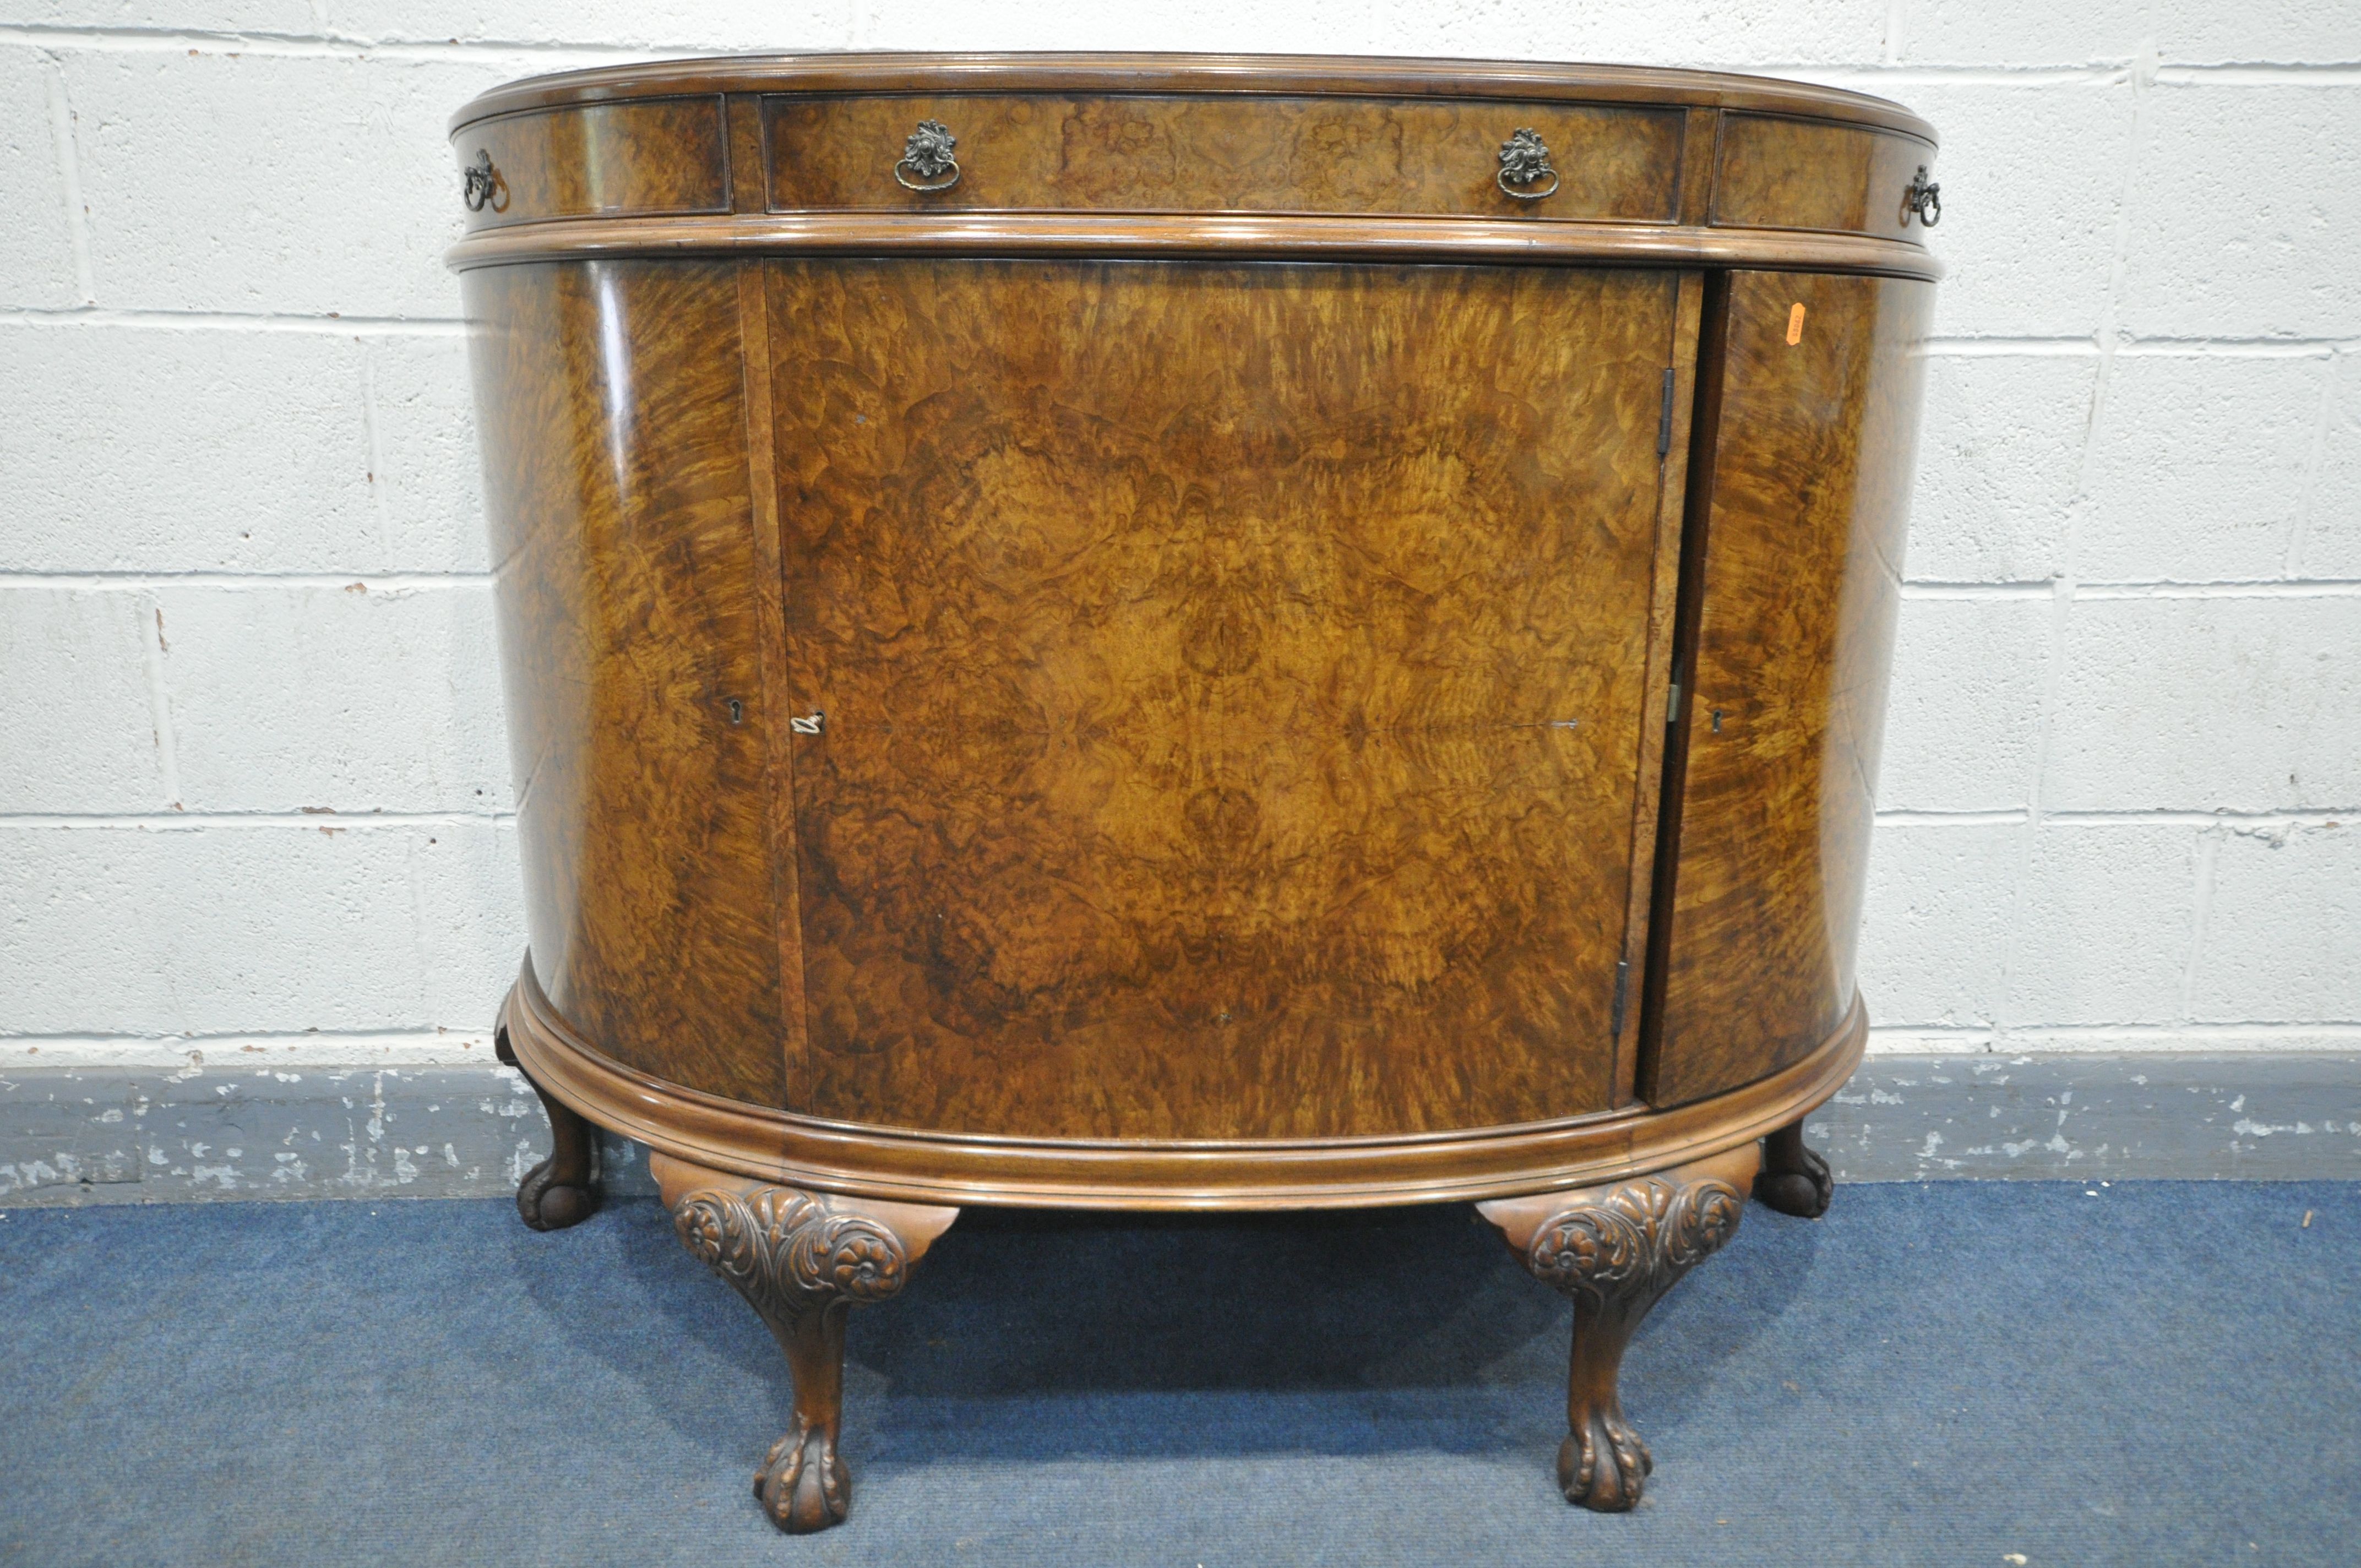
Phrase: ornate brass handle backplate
(1923, 199)
(480, 184)
(927, 155)
(1524, 164)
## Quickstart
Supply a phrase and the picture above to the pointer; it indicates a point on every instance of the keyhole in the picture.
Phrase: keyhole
(737, 711)
(1717, 722)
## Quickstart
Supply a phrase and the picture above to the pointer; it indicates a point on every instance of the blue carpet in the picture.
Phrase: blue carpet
(2151, 1372)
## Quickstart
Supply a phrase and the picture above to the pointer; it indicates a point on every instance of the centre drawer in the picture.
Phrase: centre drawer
(1123, 152)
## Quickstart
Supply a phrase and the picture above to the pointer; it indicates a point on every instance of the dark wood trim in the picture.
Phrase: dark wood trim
(1704, 429)
(770, 636)
(1700, 155)
(1159, 236)
(1918, 133)
(749, 171)
(1168, 73)
(955, 1168)
(1672, 504)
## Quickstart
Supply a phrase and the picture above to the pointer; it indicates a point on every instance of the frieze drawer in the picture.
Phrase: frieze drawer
(1224, 153)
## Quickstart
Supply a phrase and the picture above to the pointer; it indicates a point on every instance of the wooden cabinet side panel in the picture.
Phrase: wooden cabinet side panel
(1232, 677)
(1786, 700)
(613, 423)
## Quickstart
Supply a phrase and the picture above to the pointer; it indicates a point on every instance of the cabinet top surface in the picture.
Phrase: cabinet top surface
(1245, 74)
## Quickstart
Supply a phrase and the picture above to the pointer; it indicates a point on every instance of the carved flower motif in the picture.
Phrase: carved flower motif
(928, 150)
(860, 1261)
(852, 1256)
(704, 1228)
(1524, 158)
(1588, 1248)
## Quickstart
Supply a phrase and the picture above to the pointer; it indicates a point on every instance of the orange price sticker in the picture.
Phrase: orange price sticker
(1796, 324)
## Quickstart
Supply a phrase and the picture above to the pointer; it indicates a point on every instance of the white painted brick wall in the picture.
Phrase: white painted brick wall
(2328, 534)
(252, 786)
(75, 702)
(2101, 928)
(256, 927)
(158, 446)
(2000, 461)
(1965, 729)
(37, 254)
(2239, 201)
(2264, 886)
(313, 698)
(2207, 702)
(1935, 935)
(2199, 466)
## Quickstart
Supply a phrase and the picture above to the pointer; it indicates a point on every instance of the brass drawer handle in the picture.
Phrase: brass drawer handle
(1923, 199)
(1525, 161)
(927, 155)
(480, 184)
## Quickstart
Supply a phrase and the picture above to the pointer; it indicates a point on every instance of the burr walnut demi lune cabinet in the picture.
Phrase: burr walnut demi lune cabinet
(1193, 633)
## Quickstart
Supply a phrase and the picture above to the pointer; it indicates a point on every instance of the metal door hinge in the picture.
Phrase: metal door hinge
(1664, 416)
(1672, 704)
(1622, 994)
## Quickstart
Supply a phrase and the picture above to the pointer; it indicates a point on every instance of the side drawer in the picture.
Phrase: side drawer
(1225, 153)
(648, 155)
(1776, 172)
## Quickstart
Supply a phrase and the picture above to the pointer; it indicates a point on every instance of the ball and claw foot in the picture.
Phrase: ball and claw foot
(546, 1201)
(803, 1486)
(803, 1261)
(559, 1192)
(1602, 1465)
(1793, 1180)
(1613, 1251)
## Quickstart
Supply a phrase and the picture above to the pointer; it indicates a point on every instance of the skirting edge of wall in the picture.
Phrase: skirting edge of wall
(90, 1134)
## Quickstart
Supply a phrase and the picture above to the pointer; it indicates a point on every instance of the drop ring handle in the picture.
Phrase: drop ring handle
(480, 184)
(926, 153)
(1524, 164)
(1923, 201)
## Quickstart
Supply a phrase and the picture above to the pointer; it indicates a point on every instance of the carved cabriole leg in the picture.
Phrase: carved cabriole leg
(1615, 1250)
(803, 1260)
(1793, 1180)
(558, 1191)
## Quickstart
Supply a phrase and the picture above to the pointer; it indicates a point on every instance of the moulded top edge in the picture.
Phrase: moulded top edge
(1248, 73)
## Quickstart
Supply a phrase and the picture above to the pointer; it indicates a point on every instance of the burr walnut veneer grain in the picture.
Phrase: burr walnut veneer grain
(1218, 656)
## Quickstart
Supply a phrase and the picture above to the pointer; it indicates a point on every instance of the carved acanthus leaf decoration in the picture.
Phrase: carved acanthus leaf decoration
(785, 1251)
(1635, 1239)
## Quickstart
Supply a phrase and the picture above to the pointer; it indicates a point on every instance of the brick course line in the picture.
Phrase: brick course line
(134, 582)
(2339, 1036)
(200, 821)
(231, 320)
(2109, 72)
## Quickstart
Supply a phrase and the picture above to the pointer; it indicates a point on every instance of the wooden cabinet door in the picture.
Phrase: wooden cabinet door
(1818, 420)
(1226, 687)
